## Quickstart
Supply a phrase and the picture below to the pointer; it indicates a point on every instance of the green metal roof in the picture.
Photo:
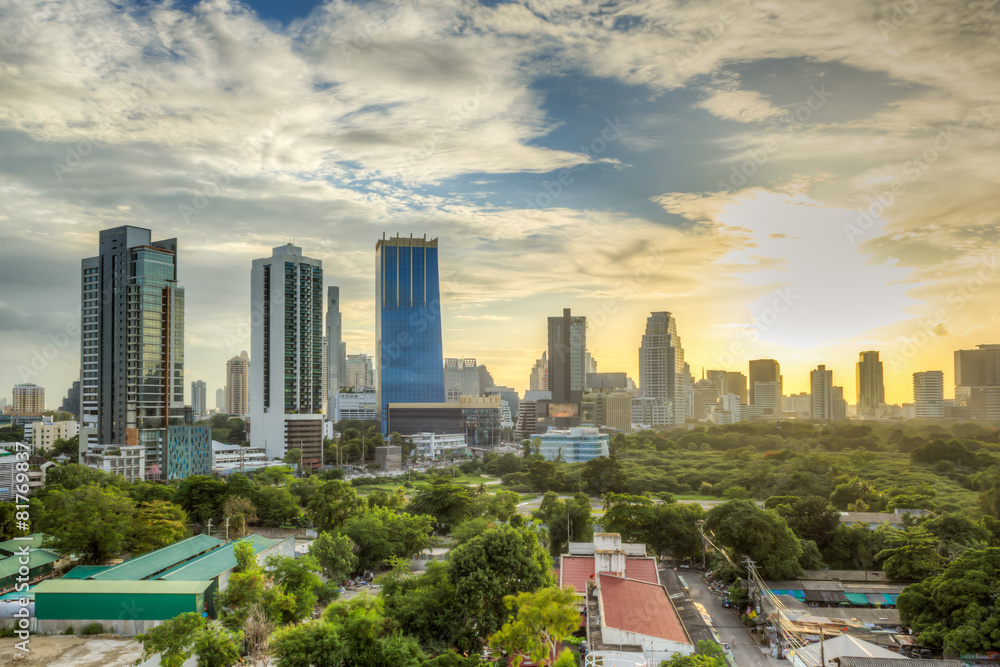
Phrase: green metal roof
(34, 541)
(155, 562)
(93, 587)
(857, 598)
(85, 571)
(214, 563)
(36, 558)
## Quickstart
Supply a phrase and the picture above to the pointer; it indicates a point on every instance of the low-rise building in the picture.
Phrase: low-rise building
(389, 457)
(360, 404)
(573, 445)
(129, 461)
(45, 433)
(436, 446)
(38, 467)
(235, 456)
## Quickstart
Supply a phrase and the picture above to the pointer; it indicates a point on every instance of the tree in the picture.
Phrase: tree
(335, 555)
(448, 503)
(381, 534)
(811, 518)
(333, 504)
(502, 561)
(568, 521)
(8, 523)
(216, 646)
(73, 476)
(237, 512)
(245, 589)
(172, 640)
(156, 524)
(90, 521)
(201, 497)
(276, 506)
(604, 475)
(274, 476)
(543, 619)
(238, 484)
(145, 492)
(294, 457)
(743, 529)
(910, 553)
(311, 643)
(959, 609)
(296, 577)
(709, 655)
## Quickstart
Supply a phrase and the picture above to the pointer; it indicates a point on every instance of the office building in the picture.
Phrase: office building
(71, 403)
(821, 393)
(286, 377)
(573, 445)
(509, 403)
(763, 370)
(238, 385)
(797, 405)
(189, 452)
(704, 394)
(335, 350)
(408, 323)
(839, 405)
(871, 385)
(220, 400)
(928, 395)
(29, 399)
(439, 446)
(129, 461)
(655, 413)
(663, 375)
(461, 378)
(736, 383)
(606, 382)
(617, 411)
(718, 378)
(539, 379)
(477, 418)
(768, 400)
(977, 382)
(360, 404)
(360, 373)
(132, 343)
(198, 398)
(567, 356)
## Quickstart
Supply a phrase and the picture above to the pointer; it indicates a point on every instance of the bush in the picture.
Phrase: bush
(69, 630)
(92, 629)
(7, 630)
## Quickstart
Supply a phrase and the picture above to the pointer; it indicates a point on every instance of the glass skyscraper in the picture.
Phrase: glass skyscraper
(408, 323)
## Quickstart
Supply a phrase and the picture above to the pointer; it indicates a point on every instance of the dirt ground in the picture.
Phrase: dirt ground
(59, 651)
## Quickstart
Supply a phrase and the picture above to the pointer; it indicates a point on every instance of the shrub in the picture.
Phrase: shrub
(69, 630)
(92, 629)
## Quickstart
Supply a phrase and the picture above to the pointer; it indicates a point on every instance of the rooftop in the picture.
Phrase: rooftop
(844, 646)
(213, 563)
(642, 569)
(36, 558)
(91, 586)
(636, 606)
(155, 562)
(34, 541)
(865, 661)
(576, 571)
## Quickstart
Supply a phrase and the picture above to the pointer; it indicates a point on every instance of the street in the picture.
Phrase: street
(726, 622)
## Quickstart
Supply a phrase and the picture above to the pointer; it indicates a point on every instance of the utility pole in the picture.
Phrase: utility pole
(822, 649)
(209, 527)
(227, 528)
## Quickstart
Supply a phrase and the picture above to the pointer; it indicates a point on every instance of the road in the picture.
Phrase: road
(746, 651)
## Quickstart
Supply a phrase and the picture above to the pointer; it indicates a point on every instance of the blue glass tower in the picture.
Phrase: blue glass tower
(408, 323)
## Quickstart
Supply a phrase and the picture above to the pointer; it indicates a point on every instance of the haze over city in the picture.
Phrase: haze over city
(804, 181)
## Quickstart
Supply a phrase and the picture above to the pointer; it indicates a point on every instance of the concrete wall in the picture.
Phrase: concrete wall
(128, 628)
(612, 636)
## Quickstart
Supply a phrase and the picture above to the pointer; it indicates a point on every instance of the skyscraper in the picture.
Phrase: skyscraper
(359, 373)
(29, 398)
(567, 367)
(736, 383)
(132, 344)
(539, 380)
(198, 399)
(71, 403)
(461, 378)
(286, 345)
(977, 382)
(408, 323)
(764, 370)
(928, 394)
(220, 400)
(336, 350)
(821, 393)
(237, 393)
(871, 386)
(662, 373)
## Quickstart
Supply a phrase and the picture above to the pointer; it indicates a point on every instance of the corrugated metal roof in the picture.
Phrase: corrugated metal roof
(844, 646)
(859, 661)
(36, 558)
(643, 569)
(214, 563)
(84, 571)
(639, 607)
(94, 587)
(857, 598)
(576, 571)
(34, 541)
(157, 561)
(825, 596)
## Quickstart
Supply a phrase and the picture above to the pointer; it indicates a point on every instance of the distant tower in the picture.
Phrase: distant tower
(928, 395)
(764, 370)
(237, 394)
(871, 386)
(336, 351)
(821, 390)
(198, 402)
(662, 373)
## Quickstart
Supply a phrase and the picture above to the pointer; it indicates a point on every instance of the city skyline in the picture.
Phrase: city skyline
(788, 191)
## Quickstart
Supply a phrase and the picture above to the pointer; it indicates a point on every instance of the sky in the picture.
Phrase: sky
(797, 180)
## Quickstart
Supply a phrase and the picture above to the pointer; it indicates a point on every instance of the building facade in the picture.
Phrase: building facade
(335, 376)
(567, 356)
(928, 395)
(461, 378)
(977, 382)
(361, 405)
(45, 433)
(573, 445)
(129, 461)
(360, 372)
(871, 385)
(237, 393)
(71, 403)
(662, 373)
(189, 451)
(763, 370)
(821, 393)
(539, 379)
(408, 323)
(286, 345)
(132, 343)
(198, 397)
(28, 398)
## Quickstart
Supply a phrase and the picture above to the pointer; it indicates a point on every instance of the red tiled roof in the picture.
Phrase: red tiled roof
(641, 608)
(643, 569)
(576, 571)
